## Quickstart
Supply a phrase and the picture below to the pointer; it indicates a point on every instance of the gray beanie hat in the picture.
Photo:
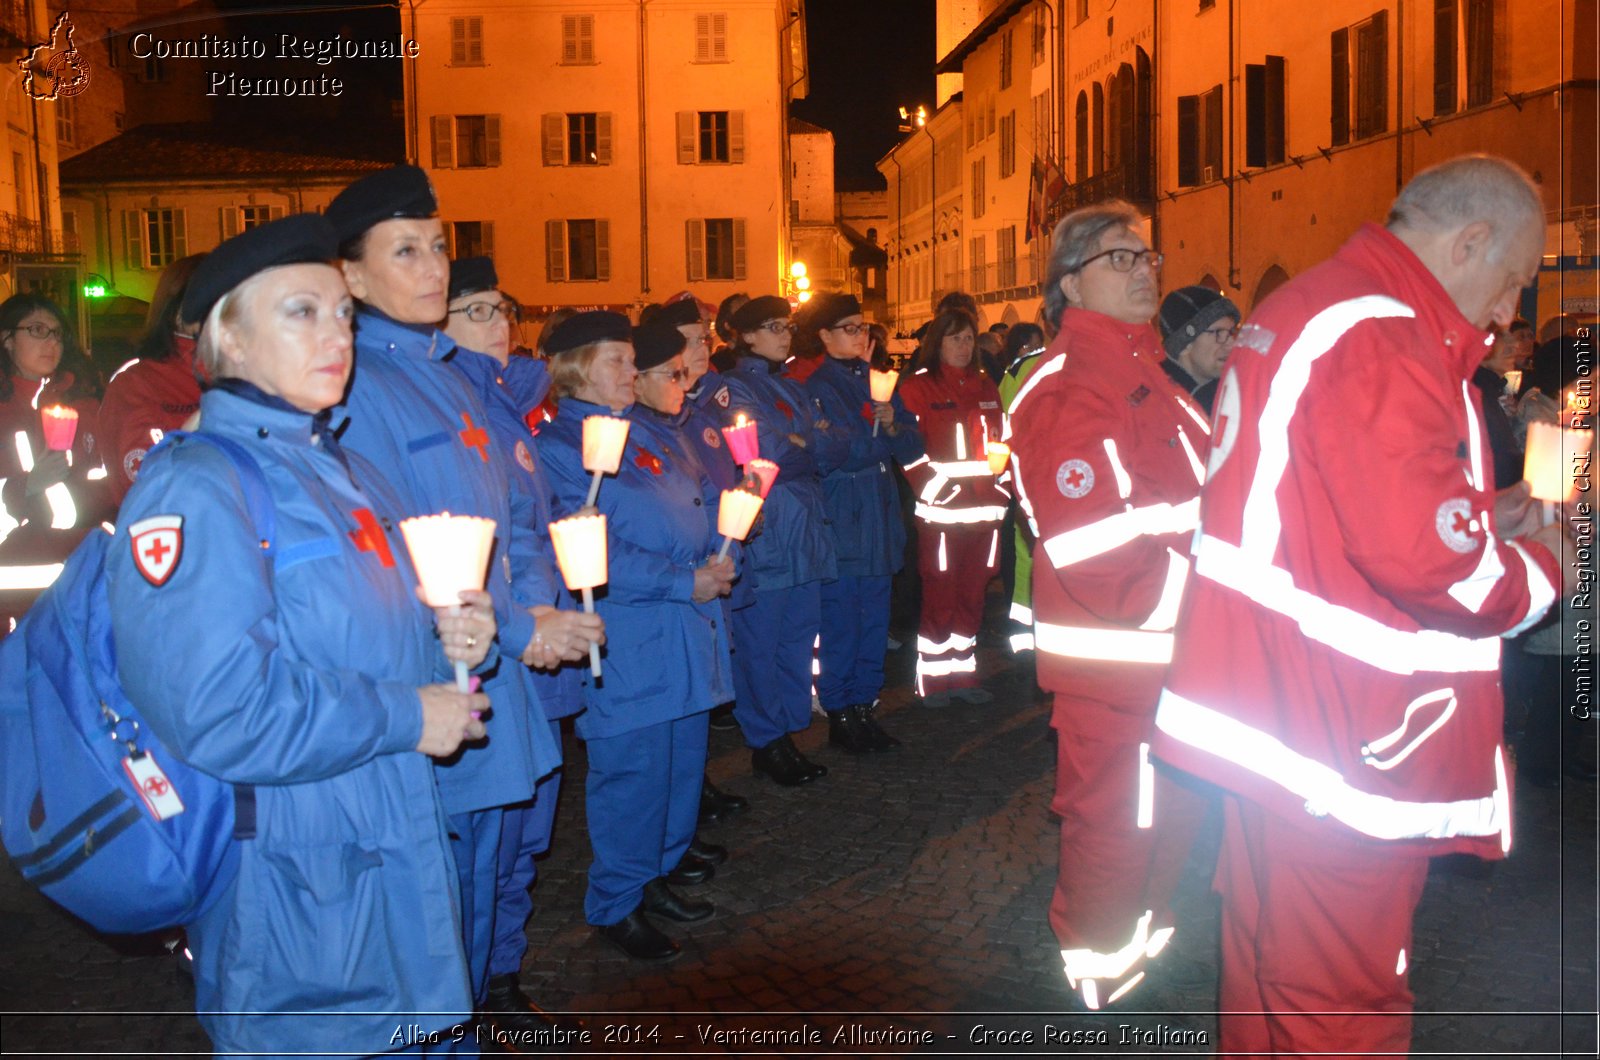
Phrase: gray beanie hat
(1188, 311)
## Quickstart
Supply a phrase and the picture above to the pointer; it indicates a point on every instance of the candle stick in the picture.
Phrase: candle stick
(451, 555)
(1513, 381)
(882, 386)
(765, 473)
(999, 455)
(60, 427)
(743, 442)
(580, 545)
(604, 438)
(735, 516)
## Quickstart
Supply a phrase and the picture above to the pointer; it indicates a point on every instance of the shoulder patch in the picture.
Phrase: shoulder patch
(157, 544)
(1456, 526)
(1137, 397)
(1255, 337)
(721, 396)
(131, 461)
(1074, 478)
(524, 457)
(712, 438)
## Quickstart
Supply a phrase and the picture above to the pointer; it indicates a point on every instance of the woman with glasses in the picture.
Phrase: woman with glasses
(959, 507)
(666, 660)
(481, 320)
(49, 499)
(1108, 454)
(1197, 329)
(863, 507)
(794, 553)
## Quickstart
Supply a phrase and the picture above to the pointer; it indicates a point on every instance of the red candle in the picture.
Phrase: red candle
(743, 442)
(60, 427)
(766, 473)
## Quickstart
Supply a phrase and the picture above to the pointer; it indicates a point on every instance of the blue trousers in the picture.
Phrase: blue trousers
(855, 635)
(772, 666)
(525, 832)
(643, 802)
(475, 842)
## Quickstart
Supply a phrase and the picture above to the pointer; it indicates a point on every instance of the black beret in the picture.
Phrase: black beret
(830, 307)
(758, 311)
(656, 343)
(596, 325)
(471, 275)
(293, 240)
(399, 191)
(1188, 311)
(680, 313)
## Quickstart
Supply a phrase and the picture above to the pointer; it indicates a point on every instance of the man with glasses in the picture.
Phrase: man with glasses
(1197, 329)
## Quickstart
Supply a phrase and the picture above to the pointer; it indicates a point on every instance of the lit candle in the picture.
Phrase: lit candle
(743, 442)
(1513, 381)
(60, 427)
(765, 472)
(604, 438)
(580, 545)
(451, 554)
(999, 454)
(735, 515)
(882, 387)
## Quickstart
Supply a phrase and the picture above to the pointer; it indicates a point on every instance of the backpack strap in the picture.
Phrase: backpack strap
(264, 519)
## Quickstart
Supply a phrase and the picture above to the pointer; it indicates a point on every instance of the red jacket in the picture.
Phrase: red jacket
(145, 396)
(1107, 451)
(957, 412)
(1338, 650)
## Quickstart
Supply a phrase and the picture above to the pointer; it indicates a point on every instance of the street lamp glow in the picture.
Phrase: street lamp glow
(802, 283)
(798, 269)
(805, 296)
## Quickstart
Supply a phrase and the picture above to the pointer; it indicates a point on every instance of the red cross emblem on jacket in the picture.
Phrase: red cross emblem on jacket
(474, 437)
(785, 408)
(648, 460)
(370, 536)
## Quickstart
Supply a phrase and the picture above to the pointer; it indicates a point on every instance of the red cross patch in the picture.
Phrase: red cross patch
(474, 437)
(785, 408)
(648, 460)
(1456, 526)
(713, 438)
(721, 397)
(157, 545)
(524, 458)
(1074, 478)
(131, 463)
(370, 537)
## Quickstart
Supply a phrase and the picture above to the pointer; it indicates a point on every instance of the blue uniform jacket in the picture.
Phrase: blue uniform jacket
(862, 501)
(701, 429)
(795, 545)
(666, 657)
(299, 676)
(416, 419)
(535, 578)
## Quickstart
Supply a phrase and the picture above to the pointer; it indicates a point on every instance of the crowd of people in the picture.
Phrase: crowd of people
(1266, 563)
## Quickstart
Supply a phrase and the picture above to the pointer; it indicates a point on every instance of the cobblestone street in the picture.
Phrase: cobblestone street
(899, 905)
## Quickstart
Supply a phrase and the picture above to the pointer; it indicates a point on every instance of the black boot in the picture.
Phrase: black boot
(780, 761)
(717, 805)
(661, 900)
(847, 730)
(807, 764)
(691, 871)
(711, 852)
(881, 741)
(638, 938)
(508, 1009)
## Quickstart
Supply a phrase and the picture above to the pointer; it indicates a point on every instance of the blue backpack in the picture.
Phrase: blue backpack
(74, 753)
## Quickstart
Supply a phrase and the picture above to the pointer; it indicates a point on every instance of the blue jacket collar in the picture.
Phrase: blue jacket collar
(757, 365)
(574, 407)
(374, 328)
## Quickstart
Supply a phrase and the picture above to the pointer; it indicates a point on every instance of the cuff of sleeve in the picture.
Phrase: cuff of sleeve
(1543, 572)
(682, 588)
(405, 716)
(516, 633)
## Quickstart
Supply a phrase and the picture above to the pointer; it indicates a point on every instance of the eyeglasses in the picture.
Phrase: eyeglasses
(850, 329)
(42, 332)
(677, 375)
(1221, 335)
(483, 312)
(1121, 259)
(777, 327)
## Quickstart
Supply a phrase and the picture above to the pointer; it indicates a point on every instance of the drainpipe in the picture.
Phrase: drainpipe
(413, 138)
(900, 242)
(1399, 94)
(1229, 177)
(644, 164)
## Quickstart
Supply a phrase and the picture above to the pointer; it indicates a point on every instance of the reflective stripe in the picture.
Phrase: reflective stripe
(1043, 372)
(95, 474)
(1021, 642)
(1091, 964)
(1475, 467)
(943, 564)
(1110, 645)
(1114, 531)
(1400, 965)
(963, 468)
(24, 452)
(1022, 496)
(156, 434)
(1195, 414)
(124, 368)
(1346, 631)
(931, 488)
(918, 462)
(961, 443)
(7, 523)
(1124, 481)
(1145, 816)
(1502, 799)
(1373, 748)
(63, 512)
(1541, 594)
(1165, 615)
(1021, 613)
(994, 547)
(40, 576)
(1470, 592)
(954, 642)
(1325, 792)
(945, 667)
(1195, 463)
(983, 513)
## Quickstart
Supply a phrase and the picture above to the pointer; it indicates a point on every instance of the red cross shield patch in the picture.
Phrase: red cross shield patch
(131, 463)
(157, 545)
(1074, 478)
(713, 438)
(524, 458)
(721, 397)
(1456, 526)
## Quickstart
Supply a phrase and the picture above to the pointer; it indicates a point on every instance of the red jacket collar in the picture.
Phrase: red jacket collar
(1086, 335)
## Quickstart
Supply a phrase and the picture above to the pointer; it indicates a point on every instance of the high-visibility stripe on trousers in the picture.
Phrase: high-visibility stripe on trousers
(956, 563)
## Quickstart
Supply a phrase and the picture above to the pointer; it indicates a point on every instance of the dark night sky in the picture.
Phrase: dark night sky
(868, 57)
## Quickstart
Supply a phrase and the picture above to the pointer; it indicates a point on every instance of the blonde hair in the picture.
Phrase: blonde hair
(569, 369)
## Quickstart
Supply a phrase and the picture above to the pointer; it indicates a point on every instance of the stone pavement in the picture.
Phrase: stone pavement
(898, 906)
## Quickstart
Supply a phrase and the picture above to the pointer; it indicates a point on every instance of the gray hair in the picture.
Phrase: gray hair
(1467, 190)
(1077, 238)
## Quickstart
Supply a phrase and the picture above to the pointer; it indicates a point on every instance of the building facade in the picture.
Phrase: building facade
(646, 151)
(926, 201)
(36, 252)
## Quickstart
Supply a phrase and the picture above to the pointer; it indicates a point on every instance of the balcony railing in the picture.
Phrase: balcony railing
(1124, 182)
(1003, 281)
(19, 235)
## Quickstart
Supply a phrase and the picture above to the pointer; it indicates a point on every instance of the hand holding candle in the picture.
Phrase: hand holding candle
(451, 555)
(765, 473)
(743, 443)
(60, 427)
(1549, 462)
(580, 544)
(882, 386)
(604, 438)
(735, 515)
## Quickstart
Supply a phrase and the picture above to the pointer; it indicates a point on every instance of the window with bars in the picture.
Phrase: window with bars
(577, 39)
(155, 237)
(710, 137)
(577, 249)
(466, 141)
(466, 41)
(716, 248)
(1360, 89)
(711, 38)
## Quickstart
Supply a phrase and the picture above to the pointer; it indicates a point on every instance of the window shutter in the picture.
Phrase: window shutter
(180, 234)
(719, 38)
(555, 251)
(1341, 86)
(569, 38)
(443, 142)
(686, 138)
(602, 139)
(1275, 116)
(735, 136)
(554, 139)
(702, 38)
(475, 40)
(586, 38)
(602, 249)
(1188, 141)
(458, 41)
(738, 248)
(1255, 115)
(491, 138)
(1444, 57)
(1211, 150)
(133, 237)
(696, 236)
(228, 221)
(1379, 74)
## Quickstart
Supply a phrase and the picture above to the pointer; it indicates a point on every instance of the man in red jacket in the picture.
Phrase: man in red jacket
(1337, 655)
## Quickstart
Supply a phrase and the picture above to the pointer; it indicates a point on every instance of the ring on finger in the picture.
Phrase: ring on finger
(472, 642)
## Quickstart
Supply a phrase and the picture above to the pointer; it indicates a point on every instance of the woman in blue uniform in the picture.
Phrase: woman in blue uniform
(794, 553)
(666, 661)
(863, 506)
(413, 416)
(313, 674)
(479, 321)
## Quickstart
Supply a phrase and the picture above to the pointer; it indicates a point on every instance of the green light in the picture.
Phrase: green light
(94, 290)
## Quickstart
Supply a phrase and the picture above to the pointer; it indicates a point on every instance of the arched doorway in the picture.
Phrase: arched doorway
(1274, 278)
(1080, 140)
